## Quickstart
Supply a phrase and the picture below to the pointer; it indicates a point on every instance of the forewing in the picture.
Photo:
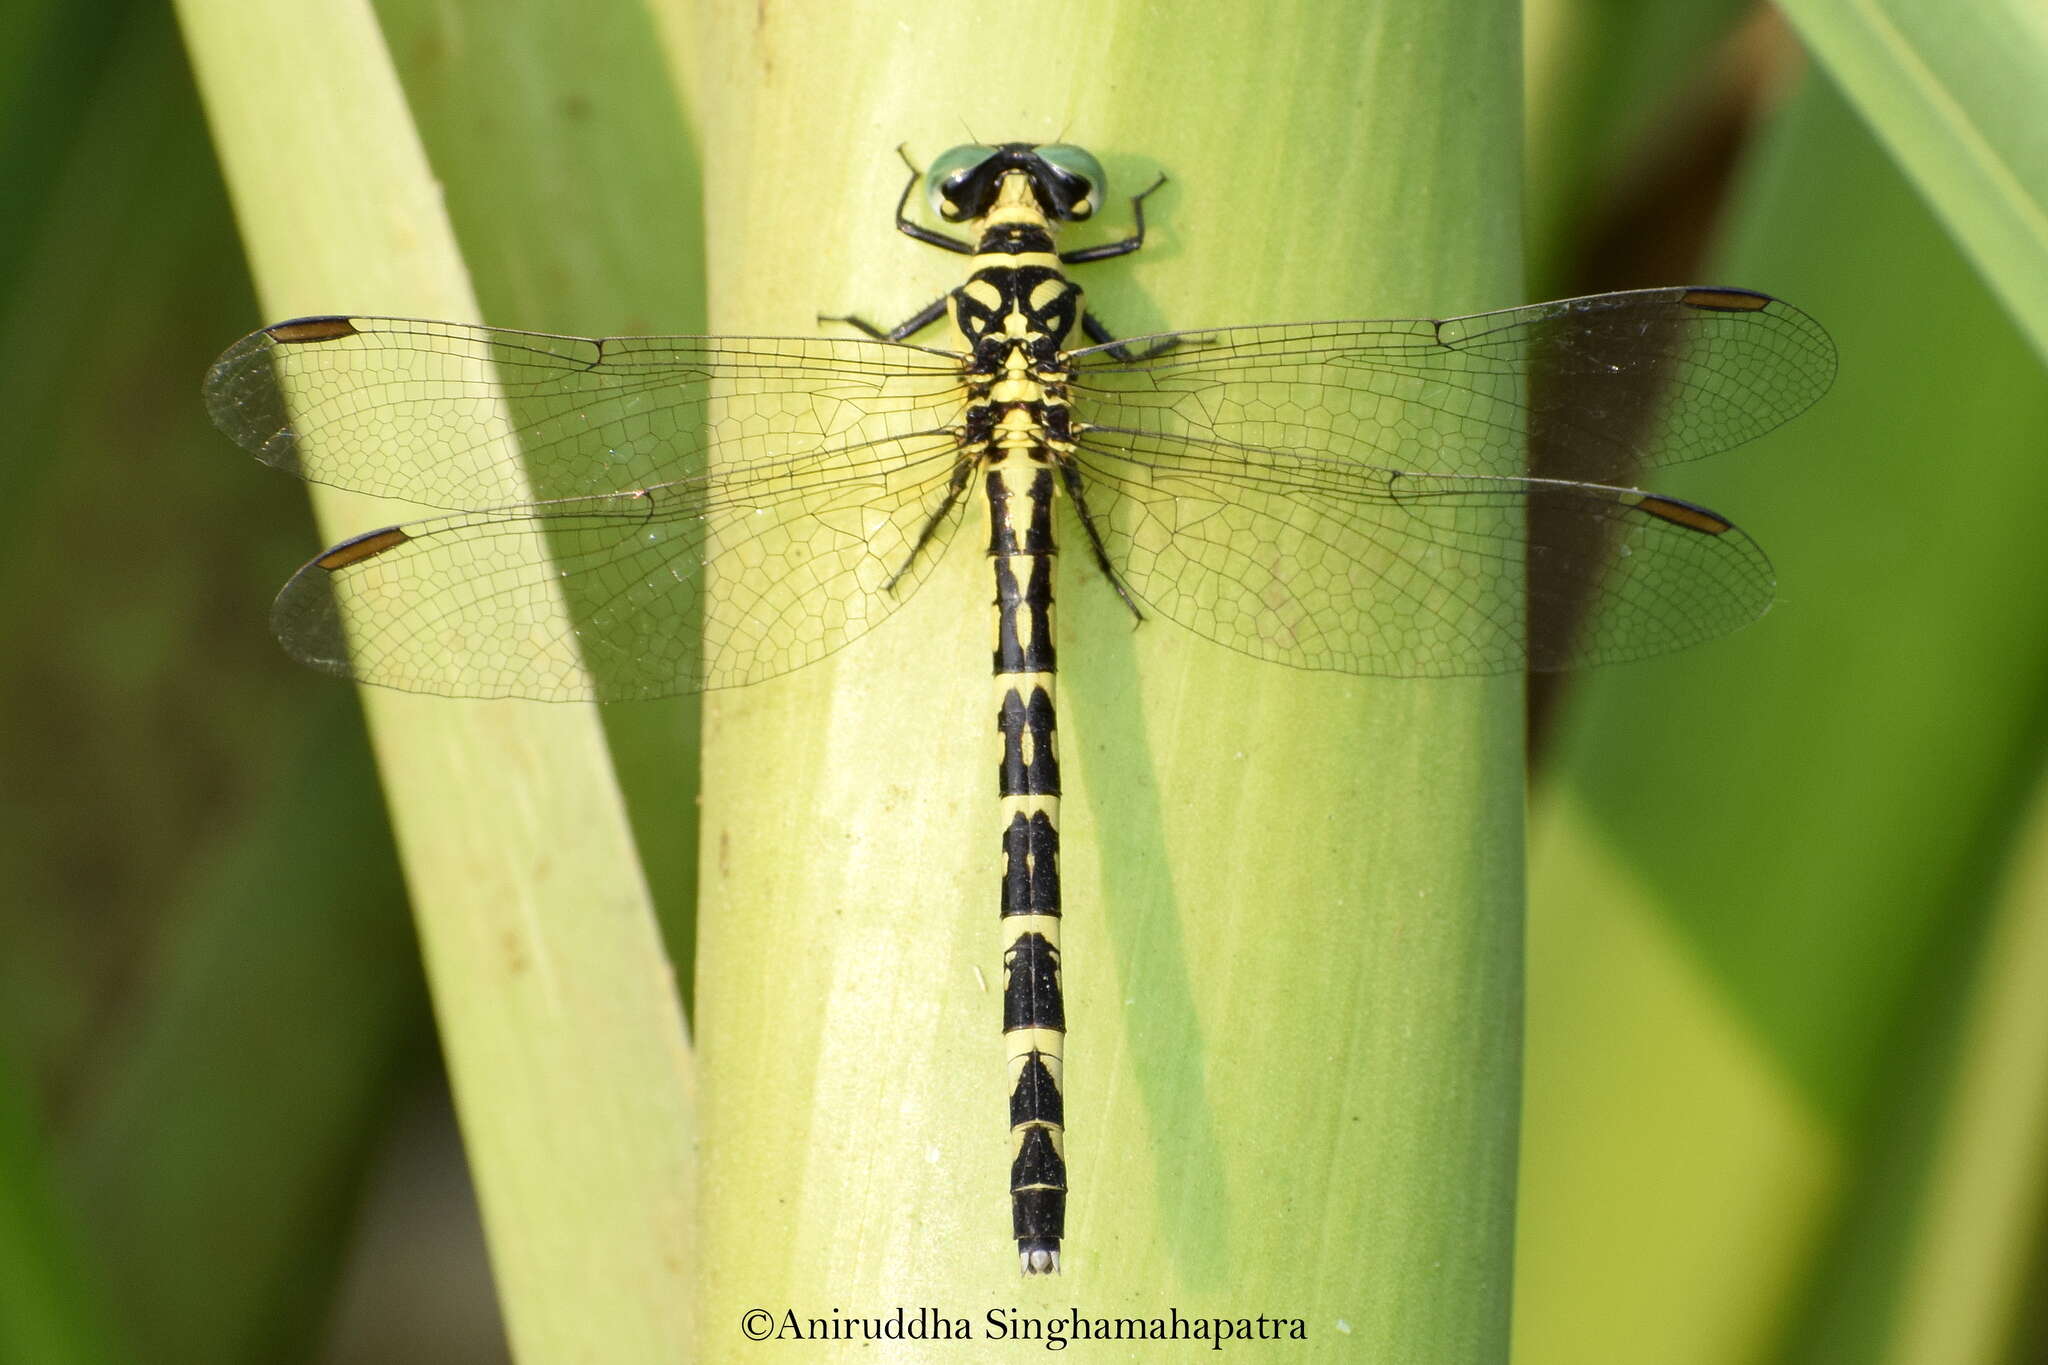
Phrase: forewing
(678, 587)
(423, 410)
(1618, 382)
(1334, 565)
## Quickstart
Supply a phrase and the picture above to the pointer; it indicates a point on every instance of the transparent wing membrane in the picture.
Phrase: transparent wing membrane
(680, 587)
(1351, 496)
(443, 414)
(1354, 569)
(1627, 381)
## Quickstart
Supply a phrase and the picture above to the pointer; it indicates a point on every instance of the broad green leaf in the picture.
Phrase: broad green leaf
(594, 227)
(555, 1002)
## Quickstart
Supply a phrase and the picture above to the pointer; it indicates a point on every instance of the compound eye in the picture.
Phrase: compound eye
(1084, 182)
(943, 178)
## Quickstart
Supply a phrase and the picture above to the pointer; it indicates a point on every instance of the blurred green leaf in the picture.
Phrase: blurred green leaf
(1617, 88)
(1969, 1291)
(246, 1093)
(1956, 94)
(155, 728)
(1784, 845)
(50, 1309)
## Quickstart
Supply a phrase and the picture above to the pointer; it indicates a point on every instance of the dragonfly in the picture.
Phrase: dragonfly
(647, 516)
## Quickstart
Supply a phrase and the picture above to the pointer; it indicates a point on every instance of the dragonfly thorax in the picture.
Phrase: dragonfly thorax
(1017, 293)
(1014, 315)
(1006, 313)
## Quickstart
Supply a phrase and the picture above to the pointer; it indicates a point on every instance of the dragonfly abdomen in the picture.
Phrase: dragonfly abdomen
(1019, 486)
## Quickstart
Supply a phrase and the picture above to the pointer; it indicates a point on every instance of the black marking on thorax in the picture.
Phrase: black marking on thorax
(1014, 239)
(1049, 302)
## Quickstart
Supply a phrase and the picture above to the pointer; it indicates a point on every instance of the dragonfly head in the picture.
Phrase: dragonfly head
(967, 182)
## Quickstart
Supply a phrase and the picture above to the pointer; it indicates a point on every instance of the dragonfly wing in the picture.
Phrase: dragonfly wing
(678, 587)
(461, 417)
(1614, 382)
(1333, 565)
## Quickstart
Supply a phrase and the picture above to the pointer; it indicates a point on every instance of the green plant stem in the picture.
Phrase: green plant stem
(1293, 901)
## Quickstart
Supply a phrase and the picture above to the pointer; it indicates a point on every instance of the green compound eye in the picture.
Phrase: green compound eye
(951, 166)
(1078, 163)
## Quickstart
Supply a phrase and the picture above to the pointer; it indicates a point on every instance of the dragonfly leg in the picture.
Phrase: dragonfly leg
(1071, 478)
(931, 236)
(955, 488)
(1124, 247)
(1107, 340)
(916, 322)
(931, 312)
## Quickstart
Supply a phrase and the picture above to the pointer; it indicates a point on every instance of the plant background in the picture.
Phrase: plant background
(1785, 1086)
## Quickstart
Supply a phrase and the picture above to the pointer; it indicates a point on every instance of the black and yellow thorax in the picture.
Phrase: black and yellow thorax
(1014, 315)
